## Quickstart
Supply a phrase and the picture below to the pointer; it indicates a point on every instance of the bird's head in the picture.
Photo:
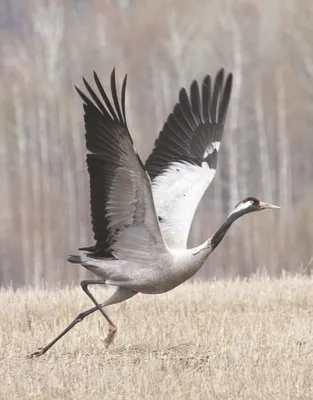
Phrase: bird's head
(244, 207)
(250, 204)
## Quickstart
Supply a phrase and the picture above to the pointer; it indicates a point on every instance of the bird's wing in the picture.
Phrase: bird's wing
(183, 162)
(123, 215)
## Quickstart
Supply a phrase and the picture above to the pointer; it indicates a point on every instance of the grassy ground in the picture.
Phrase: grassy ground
(219, 340)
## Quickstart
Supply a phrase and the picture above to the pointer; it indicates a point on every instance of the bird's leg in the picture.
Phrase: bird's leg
(79, 318)
(112, 328)
(119, 295)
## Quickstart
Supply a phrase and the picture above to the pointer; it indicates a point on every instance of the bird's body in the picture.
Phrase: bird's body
(170, 270)
(141, 214)
(142, 238)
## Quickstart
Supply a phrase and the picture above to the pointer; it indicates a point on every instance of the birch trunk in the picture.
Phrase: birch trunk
(231, 142)
(284, 181)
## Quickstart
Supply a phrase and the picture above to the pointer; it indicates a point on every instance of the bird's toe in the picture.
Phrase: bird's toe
(37, 353)
(111, 335)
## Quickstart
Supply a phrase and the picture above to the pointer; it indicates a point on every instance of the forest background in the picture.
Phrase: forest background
(46, 47)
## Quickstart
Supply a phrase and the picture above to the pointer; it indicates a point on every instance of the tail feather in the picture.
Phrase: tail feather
(74, 259)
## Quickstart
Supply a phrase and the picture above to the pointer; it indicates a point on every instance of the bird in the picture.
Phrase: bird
(141, 214)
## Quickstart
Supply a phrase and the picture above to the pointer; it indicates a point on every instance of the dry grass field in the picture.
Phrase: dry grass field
(219, 340)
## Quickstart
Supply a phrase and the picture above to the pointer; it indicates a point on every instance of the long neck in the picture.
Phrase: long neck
(221, 232)
(210, 244)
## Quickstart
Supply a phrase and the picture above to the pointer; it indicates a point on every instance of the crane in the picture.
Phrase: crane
(141, 214)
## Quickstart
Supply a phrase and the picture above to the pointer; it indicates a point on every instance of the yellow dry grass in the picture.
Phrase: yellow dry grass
(220, 340)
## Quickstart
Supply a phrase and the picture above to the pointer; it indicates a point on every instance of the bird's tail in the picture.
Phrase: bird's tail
(74, 259)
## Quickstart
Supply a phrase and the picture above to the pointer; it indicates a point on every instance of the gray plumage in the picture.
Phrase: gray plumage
(141, 215)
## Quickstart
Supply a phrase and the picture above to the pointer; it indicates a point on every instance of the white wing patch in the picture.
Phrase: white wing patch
(213, 146)
(177, 193)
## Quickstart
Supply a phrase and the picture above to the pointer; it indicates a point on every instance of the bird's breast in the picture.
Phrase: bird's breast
(182, 266)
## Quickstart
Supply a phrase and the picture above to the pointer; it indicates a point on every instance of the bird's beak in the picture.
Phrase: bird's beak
(264, 206)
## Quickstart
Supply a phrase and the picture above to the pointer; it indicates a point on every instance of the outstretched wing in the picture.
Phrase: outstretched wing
(123, 215)
(183, 162)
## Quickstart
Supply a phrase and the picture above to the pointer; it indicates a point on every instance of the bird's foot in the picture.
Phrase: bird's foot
(37, 353)
(111, 335)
